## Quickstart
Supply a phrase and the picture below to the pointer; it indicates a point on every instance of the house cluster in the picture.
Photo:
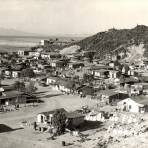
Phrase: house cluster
(10, 98)
(109, 80)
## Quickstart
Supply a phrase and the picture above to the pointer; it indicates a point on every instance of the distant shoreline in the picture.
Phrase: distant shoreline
(15, 43)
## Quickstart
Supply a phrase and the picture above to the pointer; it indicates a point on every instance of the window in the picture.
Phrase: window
(130, 107)
(124, 102)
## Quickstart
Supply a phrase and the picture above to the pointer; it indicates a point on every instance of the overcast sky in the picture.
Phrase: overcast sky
(60, 17)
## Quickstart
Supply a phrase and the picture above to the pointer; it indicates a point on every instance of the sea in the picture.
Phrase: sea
(15, 43)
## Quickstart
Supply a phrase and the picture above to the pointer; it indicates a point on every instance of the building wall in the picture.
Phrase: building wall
(21, 53)
(97, 74)
(53, 64)
(15, 74)
(13, 101)
(129, 105)
(112, 74)
(7, 73)
(62, 88)
(50, 81)
(76, 121)
(45, 56)
(41, 117)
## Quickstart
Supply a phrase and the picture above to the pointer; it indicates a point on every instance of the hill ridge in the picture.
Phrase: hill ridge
(108, 41)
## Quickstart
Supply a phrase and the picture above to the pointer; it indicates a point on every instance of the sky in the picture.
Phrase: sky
(67, 17)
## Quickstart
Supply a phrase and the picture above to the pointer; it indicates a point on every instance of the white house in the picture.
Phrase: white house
(135, 105)
(130, 72)
(44, 42)
(74, 119)
(100, 73)
(15, 74)
(45, 55)
(34, 53)
(51, 80)
(114, 74)
(45, 117)
(7, 73)
(20, 53)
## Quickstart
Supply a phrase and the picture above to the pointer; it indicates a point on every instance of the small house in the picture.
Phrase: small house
(51, 80)
(47, 117)
(75, 65)
(7, 73)
(51, 55)
(66, 85)
(15, 73)
(102, 73)
(57, 63)
(138, 104)
(34, 54)
(23, 53)
(86, 90)
(114, 74)
(125, 69)
(142, 88)
(111, 96)
(45, 43)
(130, 72)
(45, 55)
(20, 53)
(13, 97)
(73, 119)
(128, 80)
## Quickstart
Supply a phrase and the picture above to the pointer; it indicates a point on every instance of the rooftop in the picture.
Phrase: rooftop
(109, 92)
(74, 115)
(11, 94)
(53, 111)
(140, 99)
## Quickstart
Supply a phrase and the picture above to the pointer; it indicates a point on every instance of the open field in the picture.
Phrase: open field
(22, 138)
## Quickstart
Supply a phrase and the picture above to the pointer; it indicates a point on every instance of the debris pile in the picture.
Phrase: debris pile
(95, 116)
(125, 118)
(126, 130)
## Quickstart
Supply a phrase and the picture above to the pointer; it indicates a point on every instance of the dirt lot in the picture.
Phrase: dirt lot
(21, 138)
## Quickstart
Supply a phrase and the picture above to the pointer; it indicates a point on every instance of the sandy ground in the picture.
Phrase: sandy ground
(27, 137)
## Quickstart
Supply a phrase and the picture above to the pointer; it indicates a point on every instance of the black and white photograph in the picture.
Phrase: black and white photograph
(73, 73)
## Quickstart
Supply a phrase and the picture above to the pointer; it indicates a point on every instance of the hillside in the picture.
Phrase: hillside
(113, 39)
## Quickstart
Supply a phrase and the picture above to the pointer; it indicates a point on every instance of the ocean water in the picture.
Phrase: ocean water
(13, 43)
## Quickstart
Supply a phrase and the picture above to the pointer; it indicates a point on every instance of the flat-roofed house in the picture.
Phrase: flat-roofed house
(102, 73)
(73, 120)
(47, 117)
(13, 97)
(22, 53)
(57, 63)
(51, 80)
(114, 74)
(44, 43)
(75, 65)
(111, 96)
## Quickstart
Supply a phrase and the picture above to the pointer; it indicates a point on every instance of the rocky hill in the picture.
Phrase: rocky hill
(113, 39)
